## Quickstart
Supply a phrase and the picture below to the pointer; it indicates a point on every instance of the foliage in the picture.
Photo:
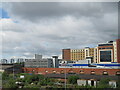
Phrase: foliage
(5, 76)
(104, 83)
(39, 81)
(31, 86)
(9, 84)
(73, 79)
(29, 81)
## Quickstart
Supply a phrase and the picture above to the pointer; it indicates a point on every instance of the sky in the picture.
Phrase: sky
(48, 27)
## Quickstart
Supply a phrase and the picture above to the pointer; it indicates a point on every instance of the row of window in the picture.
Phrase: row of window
(81, 72)
(78, 57)
(106, 48)
(81, 54)
(77, 50)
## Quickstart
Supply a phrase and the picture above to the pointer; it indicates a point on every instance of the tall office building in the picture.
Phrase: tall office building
(109, 52)
(105, 52)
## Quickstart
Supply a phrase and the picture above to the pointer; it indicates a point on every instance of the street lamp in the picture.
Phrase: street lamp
(65, 79)
(13, 70)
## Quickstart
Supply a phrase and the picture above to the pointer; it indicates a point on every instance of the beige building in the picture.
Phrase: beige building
(107, 52)
(95, 54)
(89, 52)
(115, 51)
(79, 54)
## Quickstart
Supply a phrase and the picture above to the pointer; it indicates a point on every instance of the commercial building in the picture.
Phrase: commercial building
(36, 63)
(40, 62)
(105, 52)
(108, 52)
(77, 54)
(38, 56)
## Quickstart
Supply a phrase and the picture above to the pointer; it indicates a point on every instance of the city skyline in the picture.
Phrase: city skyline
(47, 28)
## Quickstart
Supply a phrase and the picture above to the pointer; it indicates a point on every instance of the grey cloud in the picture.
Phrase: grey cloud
(58, 26)
(36, 11)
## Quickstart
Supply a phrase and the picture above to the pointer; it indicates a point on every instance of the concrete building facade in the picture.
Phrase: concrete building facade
(40, 62)
(35, 63)
(38, 56)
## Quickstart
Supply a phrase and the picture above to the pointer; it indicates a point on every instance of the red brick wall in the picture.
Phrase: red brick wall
(66, 54)
(68, 70)
(118, 50)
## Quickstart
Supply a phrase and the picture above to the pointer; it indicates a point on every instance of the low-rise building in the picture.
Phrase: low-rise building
(40, 62)
(36, 63)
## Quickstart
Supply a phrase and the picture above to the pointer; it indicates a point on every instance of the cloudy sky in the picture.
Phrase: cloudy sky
(46, 28)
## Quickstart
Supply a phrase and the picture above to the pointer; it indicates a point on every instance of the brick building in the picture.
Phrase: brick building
(66, 55)
(118, 50)
(84, 71)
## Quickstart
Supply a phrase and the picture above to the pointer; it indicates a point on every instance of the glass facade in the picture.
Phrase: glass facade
(105, 56)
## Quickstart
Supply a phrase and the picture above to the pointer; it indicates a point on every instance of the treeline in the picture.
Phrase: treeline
(40, 81)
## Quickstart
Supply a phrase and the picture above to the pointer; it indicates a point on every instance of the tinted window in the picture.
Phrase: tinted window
(105, 56)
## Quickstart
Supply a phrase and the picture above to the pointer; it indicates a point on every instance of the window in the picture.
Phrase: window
(71, 72)
(92, 72)
(46, 71)
(105, 56)
(62, 72)
(81, 72)
(54, 71)
(105, 73)
(118, 73)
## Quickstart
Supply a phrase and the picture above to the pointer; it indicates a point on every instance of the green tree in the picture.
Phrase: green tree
(73, 79)
(5, 76)
(104, 83)
(9, 84)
